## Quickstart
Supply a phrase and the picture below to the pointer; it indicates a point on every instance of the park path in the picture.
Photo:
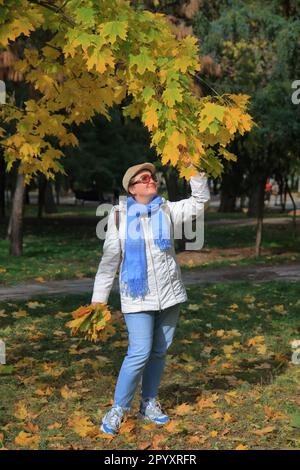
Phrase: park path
(31, 289)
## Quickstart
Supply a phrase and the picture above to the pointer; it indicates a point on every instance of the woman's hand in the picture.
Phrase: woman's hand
(201, 173)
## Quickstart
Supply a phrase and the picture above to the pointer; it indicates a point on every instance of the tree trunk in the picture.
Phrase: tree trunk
(41, 194)
(259, 230)
(256, 205)
(26, 195)
(50, 206)
(15, 231)
(230, 187)
(294, 209)
(257, 194)
(57, 190)
(2, 184)
(171, 178)
(227, 202)
(281, 192)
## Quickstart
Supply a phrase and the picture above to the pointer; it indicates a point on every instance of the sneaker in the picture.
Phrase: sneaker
(111, 421)
(150, 410)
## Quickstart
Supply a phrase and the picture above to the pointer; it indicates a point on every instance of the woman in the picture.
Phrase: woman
(150, 282)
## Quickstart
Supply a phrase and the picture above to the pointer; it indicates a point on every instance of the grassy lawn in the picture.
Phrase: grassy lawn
(66, 247)
(234, 246)
(65, 210)
(229, 381)
(89, 210)
(53, 249)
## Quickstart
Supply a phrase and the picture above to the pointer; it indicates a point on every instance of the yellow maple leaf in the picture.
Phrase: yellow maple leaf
(263, 431)
(241, 447)
(261, 348)
(55, 426)
(100, 59)
(127, 426)
(44, 392)
(170, 153)
(25, 439)
(81, 425)
(151, 117)
(256, 339)
(183, 409)
(216, 415)
(67, 393)
(21, 411)
(172, 426)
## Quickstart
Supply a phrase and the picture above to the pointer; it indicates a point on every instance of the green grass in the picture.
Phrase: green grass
(250, 261)
(53, 249)
(63, 210)
(245, 387)
(66, 247)
(212, 214)
(278, 237)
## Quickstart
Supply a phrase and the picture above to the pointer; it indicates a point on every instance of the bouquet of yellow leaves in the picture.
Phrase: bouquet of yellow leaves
(91, 321)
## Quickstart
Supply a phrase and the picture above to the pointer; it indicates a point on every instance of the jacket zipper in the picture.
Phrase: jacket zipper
(153, 268)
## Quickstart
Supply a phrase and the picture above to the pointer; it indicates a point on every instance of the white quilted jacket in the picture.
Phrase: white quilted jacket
(164, 275)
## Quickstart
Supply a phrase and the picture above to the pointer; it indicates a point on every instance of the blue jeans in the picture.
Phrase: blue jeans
(149, 336)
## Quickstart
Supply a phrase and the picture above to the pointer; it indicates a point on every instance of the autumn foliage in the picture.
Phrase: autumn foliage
(91, 321)
(79, 59)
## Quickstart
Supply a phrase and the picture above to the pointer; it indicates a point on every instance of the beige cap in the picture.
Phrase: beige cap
(132, 170)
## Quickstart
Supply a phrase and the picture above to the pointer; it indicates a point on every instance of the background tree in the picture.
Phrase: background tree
(82, 59)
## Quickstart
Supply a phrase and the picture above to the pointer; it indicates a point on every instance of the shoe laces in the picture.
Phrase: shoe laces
(114, 416)
(155, 406)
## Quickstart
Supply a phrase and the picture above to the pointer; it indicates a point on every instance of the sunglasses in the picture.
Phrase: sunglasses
(145, 179)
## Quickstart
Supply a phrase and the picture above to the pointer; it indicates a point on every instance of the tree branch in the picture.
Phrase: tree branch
(55, 9)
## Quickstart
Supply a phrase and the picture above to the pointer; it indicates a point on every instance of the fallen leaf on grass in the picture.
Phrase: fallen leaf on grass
(197, 439)
(216, 415)
(67, 393)
(203, 402)
(148, 426)
(39, 279)
(241, 447)
(172, 427)
(127, 426)
(82, 425)
(32, 428)
(25, 439)
(158, 441)
(21, 411)
(144, 445)
(44, 392)
(35, 304)
(263, 431)
(53, 370)
(183, 409)
(55, 426)
(19, 314)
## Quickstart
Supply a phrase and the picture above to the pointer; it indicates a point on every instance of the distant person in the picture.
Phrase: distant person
(275, 192)
(268, 191)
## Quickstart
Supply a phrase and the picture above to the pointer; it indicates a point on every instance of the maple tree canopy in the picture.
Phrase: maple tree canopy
(85, 57)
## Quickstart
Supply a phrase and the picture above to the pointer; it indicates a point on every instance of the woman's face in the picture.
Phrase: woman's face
(142, 190)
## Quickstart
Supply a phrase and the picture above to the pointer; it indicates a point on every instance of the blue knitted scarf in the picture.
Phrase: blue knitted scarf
(134, 279)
